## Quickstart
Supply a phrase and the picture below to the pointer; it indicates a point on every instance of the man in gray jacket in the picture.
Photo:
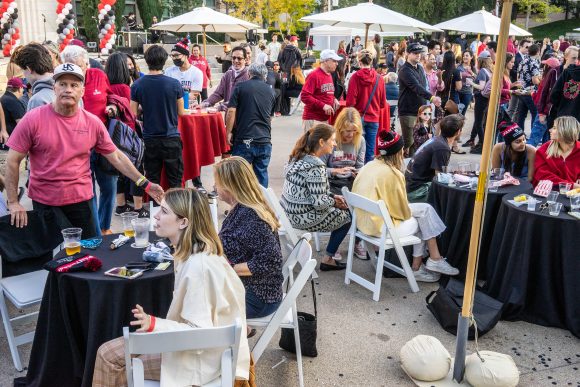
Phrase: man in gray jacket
(36, 63)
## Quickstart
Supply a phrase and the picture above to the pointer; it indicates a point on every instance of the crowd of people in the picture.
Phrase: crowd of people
(64, 120)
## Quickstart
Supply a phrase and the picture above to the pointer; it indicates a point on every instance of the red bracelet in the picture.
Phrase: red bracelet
(148, 187)
(151, 323)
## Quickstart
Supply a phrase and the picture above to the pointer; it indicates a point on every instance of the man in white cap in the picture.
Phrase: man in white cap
(318, 91)
(58, 138)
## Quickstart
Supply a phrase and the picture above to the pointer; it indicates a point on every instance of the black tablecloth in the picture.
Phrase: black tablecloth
(81, 311)
(535, 265)
(455, 207)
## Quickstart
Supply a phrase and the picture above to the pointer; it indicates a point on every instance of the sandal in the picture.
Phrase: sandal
(457, 151)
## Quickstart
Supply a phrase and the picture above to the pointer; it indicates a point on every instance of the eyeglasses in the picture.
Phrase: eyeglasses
(426, 113)
(240, 58)
(175, 56)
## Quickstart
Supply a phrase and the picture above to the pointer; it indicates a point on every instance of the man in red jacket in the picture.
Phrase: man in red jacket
(362, 84)
(318, 91)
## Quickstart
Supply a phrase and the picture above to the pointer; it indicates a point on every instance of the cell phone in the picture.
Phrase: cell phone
(123, 272)
(139, 265)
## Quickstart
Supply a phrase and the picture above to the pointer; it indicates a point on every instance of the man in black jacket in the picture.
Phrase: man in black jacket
(413, 93)
(290, 56)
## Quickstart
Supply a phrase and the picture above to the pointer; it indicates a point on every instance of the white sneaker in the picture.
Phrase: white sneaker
(337, 256)
(424, 275)
(359, 251)
(441, 266)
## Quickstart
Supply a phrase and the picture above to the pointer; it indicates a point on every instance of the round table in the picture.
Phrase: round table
(82, 310)
(534, 265)
(455, 207)
(204, 138)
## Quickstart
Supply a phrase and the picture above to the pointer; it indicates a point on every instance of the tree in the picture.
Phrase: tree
(434, 11)
(540, 8)
(90, 10)
(248, 10)
(119, 13)
(148, 9)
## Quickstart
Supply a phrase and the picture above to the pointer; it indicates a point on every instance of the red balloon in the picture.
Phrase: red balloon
(59, 8)
(100, 6)
(16, 36)
(70, 36)
(62, 1)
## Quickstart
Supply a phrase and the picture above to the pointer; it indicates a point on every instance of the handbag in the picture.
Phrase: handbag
(450, 106)
(307, 328)
(486, 92)
(445, 303)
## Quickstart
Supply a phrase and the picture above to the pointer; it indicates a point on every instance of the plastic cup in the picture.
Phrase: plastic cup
(473, 184)
(575, 203)
(492, 187)
(564, 187)
(72, 240)
(532, 204)
(552, 197)
(554, 208)
(476, 169)
(141, 228)
(127, 217)
(497, 173)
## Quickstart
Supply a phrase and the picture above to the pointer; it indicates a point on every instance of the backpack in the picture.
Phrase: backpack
(128, 141)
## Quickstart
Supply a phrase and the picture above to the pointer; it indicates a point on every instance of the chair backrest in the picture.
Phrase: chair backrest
(288, 302)
(227, 337)
(301, 253)
(378, 208)
(281, 214)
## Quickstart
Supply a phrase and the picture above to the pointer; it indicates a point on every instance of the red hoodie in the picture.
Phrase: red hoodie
(359, 90)
(201, 63)
(557, 170)
(97, 89)
(318, 90)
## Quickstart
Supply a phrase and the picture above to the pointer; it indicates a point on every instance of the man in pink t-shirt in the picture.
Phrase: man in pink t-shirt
(58, 138)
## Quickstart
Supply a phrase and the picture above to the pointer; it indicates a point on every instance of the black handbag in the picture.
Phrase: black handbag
(307, 328)
(445, 303)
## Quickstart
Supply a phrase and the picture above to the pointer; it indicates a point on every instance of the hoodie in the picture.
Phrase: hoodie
(226, 87)
(289, 57)
(566, 93)
(306, 197)
(360, 88)
(42, 93)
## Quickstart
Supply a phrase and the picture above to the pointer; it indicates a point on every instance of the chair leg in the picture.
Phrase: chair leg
(379, 275)
(9, 333)
(405, 265)
(349, 259)
(298, 348)
(316, 241)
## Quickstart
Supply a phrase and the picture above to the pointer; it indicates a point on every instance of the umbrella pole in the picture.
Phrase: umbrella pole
(481, 195)
(367, 26)
(204, 42)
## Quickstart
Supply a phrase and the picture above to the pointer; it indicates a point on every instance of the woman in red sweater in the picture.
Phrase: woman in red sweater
(558, 160)
(360, 87)
(119, 76)
(201, 63)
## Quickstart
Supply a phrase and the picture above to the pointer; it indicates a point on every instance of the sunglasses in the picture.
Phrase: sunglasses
(240, 58)
(425, 114)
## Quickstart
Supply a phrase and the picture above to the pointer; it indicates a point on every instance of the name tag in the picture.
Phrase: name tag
(338, 154)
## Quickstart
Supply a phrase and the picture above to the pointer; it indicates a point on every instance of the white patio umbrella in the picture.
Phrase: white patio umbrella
(204, 19)
(576, 29)
(480, 22)
(369, 15)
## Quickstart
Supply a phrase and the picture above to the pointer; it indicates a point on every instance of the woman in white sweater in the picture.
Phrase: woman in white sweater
(208, 293)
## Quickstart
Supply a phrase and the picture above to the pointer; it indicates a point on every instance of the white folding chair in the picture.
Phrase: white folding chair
(227, 337)
(286, 316)
(389, 239)
(296, 102)
(22, 291)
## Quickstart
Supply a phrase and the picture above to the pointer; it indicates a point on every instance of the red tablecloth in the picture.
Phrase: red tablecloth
(204, 138)
(384, 118)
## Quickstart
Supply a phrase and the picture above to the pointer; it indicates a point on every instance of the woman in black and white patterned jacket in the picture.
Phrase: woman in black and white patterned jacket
(306, 195)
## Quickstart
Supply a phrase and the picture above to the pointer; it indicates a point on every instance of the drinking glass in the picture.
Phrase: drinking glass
(476, 169)
(554, 208)
(492, 187)
(575, 203)
(497, 173)
(141, 227)
(564, 187)
(127, 217)
(464, 168)
(532, 204)
(473, 183)
(552, 197)
(72, 240)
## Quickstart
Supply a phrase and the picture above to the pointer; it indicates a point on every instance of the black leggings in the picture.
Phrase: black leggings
(481, 104)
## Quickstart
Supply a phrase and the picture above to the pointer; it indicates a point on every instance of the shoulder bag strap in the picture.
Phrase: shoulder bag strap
(314, 298)
(371, 97)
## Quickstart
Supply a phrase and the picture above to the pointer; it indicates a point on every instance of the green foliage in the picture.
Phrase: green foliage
(435, 11)
(178, 7)
(148, 9)
(555, 29)
(89, 10)
(119, 12)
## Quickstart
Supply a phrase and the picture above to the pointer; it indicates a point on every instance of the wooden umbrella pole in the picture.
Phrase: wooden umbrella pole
(204, 42)
(481, 195)
(367, 26)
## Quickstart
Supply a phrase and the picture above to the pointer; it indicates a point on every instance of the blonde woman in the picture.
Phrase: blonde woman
(208, 293)
(249, 235)
(383, 179)
(558, 160)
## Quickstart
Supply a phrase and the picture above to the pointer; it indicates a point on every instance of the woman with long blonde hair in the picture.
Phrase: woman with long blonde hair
(558, 160)
(250, 236)
(383, 179)
(207, 293)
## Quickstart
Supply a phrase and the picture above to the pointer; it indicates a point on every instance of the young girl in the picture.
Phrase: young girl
(423, 129)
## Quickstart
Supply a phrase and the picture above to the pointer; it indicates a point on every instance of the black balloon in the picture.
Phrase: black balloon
(70, 16)
(111, 13)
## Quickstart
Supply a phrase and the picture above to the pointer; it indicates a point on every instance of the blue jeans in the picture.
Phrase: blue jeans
(258, 156)
(255, 307)
(370, 134)
(538, 133)
(106, 203)
(336, 238)
(525, 104)
(465, 99)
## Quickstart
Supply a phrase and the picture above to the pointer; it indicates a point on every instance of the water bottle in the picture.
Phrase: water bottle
(186, 99)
